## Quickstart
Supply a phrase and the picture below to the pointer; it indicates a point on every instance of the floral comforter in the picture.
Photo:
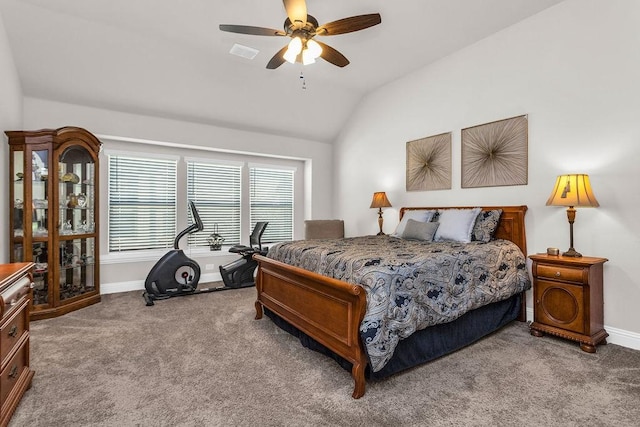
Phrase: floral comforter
(411, 284)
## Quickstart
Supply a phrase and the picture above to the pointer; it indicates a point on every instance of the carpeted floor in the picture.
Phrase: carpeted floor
(204, 361)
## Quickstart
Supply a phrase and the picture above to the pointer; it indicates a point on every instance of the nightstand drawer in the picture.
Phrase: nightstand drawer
(556, 272)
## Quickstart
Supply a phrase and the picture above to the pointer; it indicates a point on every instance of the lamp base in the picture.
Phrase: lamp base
(572, 253)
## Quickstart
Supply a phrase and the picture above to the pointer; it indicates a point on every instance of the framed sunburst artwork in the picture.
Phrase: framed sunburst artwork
(429, 163)
(495, 154)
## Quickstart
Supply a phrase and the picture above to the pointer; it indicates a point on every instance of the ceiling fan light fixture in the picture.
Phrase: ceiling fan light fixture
(314, 49)
(307, 57)
(294, 49)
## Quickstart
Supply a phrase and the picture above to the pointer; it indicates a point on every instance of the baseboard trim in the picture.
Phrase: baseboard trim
(616, 336)
(138, 285)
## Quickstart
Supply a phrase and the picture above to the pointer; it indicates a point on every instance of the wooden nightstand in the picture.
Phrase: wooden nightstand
(567, 299)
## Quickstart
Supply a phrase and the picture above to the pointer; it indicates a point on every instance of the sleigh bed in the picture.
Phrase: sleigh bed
(337, 315)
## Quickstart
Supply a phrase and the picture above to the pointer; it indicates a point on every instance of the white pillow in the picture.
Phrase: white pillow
(420, 215)
(456, 224)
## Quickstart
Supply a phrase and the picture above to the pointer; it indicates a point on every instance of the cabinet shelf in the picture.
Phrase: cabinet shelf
(61, 238)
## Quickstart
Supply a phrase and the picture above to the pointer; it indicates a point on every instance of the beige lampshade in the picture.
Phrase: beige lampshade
(573, 190)
(380, 200)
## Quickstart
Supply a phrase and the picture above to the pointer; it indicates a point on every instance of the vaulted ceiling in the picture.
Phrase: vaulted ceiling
(168, 58)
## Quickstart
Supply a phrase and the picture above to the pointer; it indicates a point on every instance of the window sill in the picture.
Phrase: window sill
(155, 255)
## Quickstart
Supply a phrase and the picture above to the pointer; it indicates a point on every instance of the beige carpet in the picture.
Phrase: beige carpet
(204, 361)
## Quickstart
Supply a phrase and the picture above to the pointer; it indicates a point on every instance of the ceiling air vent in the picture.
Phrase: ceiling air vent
(243, 51)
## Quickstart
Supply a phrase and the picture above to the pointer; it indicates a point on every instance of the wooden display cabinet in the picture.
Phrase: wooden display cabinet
(568, 299)
(53, 220)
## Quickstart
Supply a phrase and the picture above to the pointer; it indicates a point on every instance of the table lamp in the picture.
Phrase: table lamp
(380, 201)
(573, 191)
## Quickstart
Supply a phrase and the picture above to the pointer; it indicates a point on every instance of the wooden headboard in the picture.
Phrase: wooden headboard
(510, 227)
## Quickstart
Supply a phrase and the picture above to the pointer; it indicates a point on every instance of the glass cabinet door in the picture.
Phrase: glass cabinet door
(30, 216)
(17, 207)
(38, 220)
(76, 204)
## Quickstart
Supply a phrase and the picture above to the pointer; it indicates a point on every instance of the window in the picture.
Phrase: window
(271, 199)
(142, 203)
(215, 189)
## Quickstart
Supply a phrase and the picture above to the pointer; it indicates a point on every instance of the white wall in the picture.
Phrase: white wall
(10, 118)
(118, 276)
(574, 70)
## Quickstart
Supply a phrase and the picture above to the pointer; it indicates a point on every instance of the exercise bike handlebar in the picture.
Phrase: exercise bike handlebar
(196, 226)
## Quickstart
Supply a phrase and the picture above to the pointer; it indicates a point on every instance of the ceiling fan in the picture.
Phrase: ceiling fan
(302, 29)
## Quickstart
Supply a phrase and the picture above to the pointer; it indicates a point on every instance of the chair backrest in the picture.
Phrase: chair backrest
(323, 229)
(255, 239)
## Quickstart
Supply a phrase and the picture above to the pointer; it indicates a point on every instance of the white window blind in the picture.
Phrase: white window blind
(142, 203)
(271, 199)
(215, 189)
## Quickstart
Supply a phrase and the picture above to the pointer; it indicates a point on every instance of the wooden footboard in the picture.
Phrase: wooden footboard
(328, 310)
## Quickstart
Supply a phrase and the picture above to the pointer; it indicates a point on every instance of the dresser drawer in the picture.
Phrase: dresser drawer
(12, 295)
(556, 272)
(12, 329)
(13, 370)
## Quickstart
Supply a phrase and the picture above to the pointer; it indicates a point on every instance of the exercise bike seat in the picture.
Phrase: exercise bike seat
(241, 249)
(255, 241)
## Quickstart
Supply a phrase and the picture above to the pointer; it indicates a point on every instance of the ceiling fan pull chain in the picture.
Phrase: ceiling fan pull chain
(304, 82)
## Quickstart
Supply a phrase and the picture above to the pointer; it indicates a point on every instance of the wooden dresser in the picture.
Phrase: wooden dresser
(15, 294)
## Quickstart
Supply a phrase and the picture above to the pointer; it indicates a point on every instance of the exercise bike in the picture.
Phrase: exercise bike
(239, 273)
(175, 274)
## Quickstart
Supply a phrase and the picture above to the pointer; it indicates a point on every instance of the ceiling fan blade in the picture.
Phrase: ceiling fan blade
(277, 59)
(348, 25)
(296, 11)
(329, 54)
(255, 31)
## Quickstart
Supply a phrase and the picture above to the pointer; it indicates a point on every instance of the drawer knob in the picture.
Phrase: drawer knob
(13, 331)
(14, 372)
(557, 274)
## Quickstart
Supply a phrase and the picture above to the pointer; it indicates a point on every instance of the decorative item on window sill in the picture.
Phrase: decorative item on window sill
(215, 240)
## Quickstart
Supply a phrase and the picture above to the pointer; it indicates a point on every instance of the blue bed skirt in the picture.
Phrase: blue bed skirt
(429, 343)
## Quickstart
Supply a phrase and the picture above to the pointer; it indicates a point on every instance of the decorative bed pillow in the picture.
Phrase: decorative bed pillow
(486, 225)
(420, 230)
(456, 224)
(421, 215)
